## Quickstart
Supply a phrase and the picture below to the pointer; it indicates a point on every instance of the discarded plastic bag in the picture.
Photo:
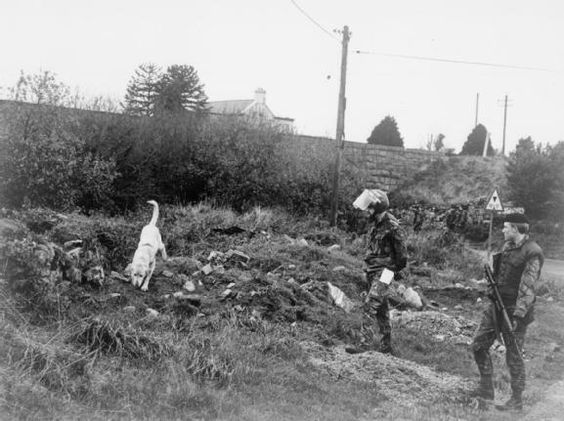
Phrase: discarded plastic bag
(339, 298)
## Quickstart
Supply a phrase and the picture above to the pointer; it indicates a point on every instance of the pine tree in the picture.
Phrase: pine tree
(142, 90)
(386, 133)
(474, 144)
(180, 89)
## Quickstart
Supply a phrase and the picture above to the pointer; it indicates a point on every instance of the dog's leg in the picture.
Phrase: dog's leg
(163, 252)
(145, 285)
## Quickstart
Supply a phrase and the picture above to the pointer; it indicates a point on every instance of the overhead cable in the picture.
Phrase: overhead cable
(446, 60)
(314, 21)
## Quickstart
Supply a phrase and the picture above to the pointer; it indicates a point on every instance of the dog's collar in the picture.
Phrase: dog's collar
(146, 245)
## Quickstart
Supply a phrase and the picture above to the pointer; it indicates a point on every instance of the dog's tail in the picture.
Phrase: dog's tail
(155, 212)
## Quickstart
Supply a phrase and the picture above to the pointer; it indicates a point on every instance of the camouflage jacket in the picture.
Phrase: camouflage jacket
(517, 269)
(386, 245)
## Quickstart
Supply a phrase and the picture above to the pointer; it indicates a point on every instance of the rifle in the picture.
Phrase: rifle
(495, 296)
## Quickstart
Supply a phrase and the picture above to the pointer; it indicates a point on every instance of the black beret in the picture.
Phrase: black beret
(516, 218)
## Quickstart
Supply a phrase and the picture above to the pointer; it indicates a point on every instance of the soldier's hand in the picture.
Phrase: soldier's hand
(490, 293)
(516, 322)
(398, 276)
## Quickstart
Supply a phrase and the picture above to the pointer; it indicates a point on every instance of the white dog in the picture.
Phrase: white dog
(150, 243)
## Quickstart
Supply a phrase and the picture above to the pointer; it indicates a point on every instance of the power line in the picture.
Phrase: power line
(445, 60)
(314, 21)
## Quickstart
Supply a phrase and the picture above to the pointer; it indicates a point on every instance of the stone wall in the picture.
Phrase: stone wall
(385, 167)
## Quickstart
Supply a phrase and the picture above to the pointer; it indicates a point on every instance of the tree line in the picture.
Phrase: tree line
(53, 158)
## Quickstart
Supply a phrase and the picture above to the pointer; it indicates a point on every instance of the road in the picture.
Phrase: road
(553, 269)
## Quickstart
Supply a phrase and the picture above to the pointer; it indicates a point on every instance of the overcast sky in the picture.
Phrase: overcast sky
(238, 46)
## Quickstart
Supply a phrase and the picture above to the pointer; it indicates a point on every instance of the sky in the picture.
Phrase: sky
(239, 46)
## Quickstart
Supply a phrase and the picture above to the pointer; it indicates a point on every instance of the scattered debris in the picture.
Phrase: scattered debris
(411, 297)
(207, 269)
(215, 256)
(231, 230)
(334, 247)
(72, 244)
(119, 277)
(152, 312)
(189, 286)
(237, 256)
(95, 275)
(339, 298)
(167, 274)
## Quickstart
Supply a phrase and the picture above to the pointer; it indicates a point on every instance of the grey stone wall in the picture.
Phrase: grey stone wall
(384, 167)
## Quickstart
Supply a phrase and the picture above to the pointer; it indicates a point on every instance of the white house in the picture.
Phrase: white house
(253, 109)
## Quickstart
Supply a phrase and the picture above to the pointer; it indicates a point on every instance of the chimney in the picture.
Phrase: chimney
(260, 96)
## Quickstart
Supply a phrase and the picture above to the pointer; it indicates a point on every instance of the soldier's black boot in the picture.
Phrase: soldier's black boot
(485, 390)
(386, 345)
(515, 403)
(359, 349)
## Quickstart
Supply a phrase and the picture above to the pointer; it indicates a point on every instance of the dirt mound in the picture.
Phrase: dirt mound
(402, 382)
(433, 322)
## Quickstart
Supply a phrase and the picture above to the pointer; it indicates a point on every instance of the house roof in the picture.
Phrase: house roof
(229, 107)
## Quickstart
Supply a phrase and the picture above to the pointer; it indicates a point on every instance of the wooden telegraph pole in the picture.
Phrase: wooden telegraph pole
(494, 204)
(477, 101)
(504, 125)
(339, 137)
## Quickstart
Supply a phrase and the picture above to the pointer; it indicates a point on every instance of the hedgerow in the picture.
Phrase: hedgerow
(71, 159)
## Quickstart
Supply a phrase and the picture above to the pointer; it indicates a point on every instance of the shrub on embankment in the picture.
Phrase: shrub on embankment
(66, 159)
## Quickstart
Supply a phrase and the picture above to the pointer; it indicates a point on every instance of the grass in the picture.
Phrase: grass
(242, 357)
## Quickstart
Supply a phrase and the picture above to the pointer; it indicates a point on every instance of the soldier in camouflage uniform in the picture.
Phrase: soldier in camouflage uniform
(516, 269)
(386, 250)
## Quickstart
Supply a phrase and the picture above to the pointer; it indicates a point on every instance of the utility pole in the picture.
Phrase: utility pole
(486, 143)
(504, 125)
(477, 100)
(339, 137)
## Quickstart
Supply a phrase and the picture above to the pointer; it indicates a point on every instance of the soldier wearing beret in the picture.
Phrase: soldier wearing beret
(516, 269)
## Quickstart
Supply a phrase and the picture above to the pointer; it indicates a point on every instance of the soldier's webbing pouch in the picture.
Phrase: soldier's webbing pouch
(381, 284)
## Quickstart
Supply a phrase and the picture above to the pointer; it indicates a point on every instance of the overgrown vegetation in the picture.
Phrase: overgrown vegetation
(68, 159)
(94, 350)
(536, 179)
(469, 179)
(475, 142)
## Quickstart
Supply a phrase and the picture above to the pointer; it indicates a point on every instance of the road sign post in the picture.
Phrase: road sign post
(494, 204)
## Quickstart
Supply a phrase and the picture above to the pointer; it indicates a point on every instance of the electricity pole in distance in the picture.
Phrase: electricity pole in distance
(477, 101)
(504, 125)
(339, 137)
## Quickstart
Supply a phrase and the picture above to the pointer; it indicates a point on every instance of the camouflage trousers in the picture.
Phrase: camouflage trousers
(484, 339)
(377, 306)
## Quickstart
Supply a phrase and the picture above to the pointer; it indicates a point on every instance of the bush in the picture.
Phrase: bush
(64, 159)
(44, 163)
(536, 178)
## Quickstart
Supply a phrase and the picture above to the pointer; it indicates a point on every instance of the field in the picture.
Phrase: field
(239, 323)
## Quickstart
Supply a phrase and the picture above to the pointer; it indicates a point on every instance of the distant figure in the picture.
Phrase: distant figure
(516, 269)
(386, 252)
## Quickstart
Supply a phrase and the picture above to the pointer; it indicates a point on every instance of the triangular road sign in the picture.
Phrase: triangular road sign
(495, 202)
